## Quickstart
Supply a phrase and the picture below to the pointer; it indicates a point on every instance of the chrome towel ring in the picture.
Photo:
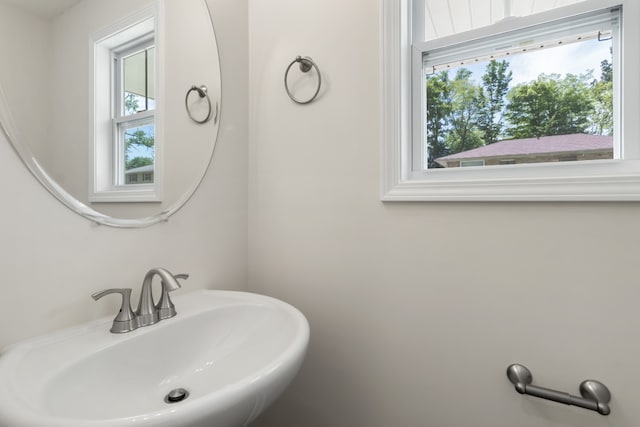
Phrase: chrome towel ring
(202, 92)
(306, 64)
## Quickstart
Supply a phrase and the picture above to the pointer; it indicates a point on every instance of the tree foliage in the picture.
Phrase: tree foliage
(602, 92)
(465, 109)
(550, 105)
(602, 117)
(438, 111)
(138, 162)
(131, 104)
(606, 69)
(495, 84)
(137, 139)
(464, 113)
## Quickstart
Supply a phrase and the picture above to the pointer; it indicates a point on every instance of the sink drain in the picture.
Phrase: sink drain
(176, 395)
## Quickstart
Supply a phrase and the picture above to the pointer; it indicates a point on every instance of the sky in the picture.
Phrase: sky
(574, 58)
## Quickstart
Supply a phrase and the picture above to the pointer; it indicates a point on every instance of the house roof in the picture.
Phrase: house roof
(576, 142)
(141, 169)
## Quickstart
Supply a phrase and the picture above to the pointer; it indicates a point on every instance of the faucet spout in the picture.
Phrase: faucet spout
(165, 306)
(147, 312)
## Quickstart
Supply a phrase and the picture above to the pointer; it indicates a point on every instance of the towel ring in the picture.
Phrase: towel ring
(202, 92)
(306, 64)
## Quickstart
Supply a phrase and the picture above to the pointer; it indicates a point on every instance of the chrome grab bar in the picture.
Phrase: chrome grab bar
(595, 395)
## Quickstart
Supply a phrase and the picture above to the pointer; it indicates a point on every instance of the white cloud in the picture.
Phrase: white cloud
(575, 58)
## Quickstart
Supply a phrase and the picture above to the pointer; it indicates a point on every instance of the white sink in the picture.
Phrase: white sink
(234, 353)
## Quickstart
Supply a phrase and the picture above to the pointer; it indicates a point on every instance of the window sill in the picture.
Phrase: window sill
(127, 194)
(610, 180)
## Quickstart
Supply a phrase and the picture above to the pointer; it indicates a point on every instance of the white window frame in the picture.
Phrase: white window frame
(106, 179)
(597, 180)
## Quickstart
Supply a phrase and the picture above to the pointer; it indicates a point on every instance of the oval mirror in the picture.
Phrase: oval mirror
(113, 105)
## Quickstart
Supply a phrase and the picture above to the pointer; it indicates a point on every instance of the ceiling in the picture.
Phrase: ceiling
(44, 8)
(446, 17)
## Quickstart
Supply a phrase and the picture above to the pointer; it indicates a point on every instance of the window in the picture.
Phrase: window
(126, 108)
(540, 93)
(133, 89)
(456, 93)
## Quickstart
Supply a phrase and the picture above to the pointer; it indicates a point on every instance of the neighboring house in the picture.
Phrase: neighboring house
(141, 175)
(557, 148)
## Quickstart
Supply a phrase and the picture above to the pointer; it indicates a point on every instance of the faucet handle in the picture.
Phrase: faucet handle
(165, 307)
(126, 320)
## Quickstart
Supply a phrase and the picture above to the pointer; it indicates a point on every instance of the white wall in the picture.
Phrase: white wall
(27, 37)
(52, 259)
(416, 310)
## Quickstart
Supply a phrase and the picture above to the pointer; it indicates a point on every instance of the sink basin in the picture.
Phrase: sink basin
(233, 352)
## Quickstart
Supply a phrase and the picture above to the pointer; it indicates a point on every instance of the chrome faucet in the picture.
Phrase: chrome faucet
(147, 312)
(165, 306)
(126, 320)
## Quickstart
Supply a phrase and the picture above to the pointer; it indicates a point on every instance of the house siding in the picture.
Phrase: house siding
(543, 158)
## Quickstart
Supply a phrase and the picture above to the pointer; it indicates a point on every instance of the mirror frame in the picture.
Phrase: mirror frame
(10, 131)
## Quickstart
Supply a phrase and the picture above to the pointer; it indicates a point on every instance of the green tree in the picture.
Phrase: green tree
(495, 85)
(438, 111)
(138, 138)
(550, 105)
(602, 93)
(606, 69)
(602, 116)
(465, 108)
(576, 103)
(131, 104)
(138, 162)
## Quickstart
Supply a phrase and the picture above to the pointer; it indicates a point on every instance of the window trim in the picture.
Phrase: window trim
(598, 180)
(103, 174)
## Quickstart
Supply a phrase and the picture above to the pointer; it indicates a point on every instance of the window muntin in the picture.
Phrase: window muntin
(463, 112)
